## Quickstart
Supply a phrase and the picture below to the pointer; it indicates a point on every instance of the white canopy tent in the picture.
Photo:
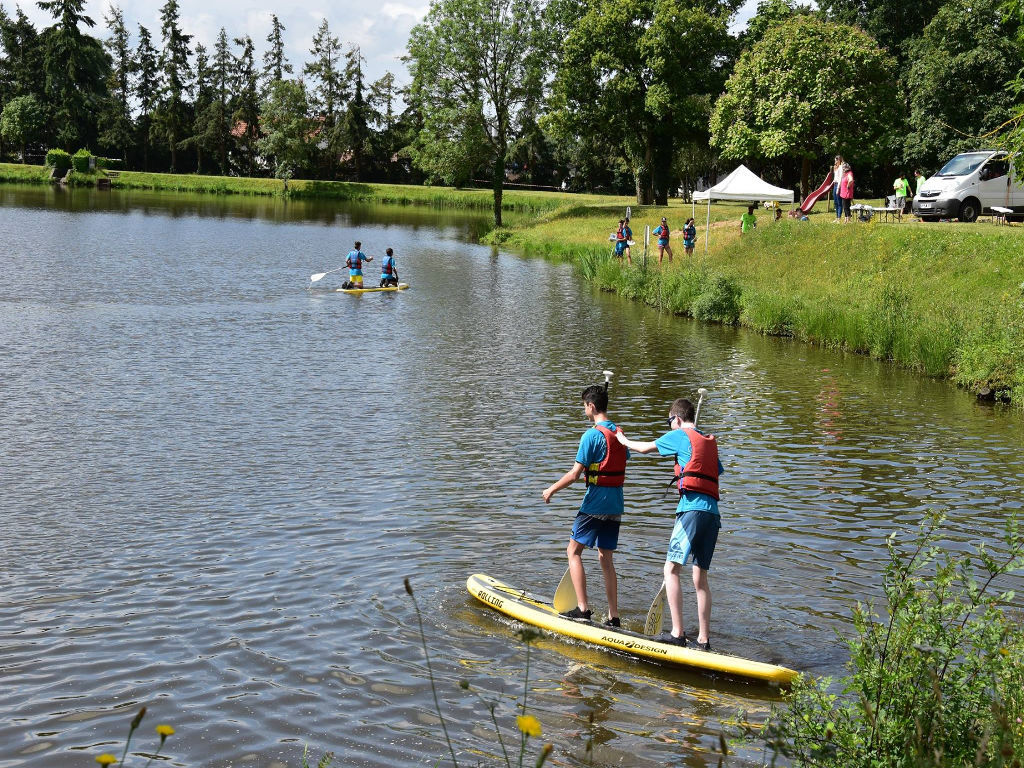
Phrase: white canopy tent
(741, 184)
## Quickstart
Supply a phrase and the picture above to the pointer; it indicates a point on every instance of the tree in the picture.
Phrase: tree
(212, 127)
(24, 56)
(957, 82)
(275, 65)
(356, 132)
(381, 101)
(246, 115)
(147, 74)
(76, 68)
(1013, 132)
(204, 98)
(635, 73)
(327, 92)
(287, 127)
(893, 23)
(22, 120)
(171, 117)
(792, 96)
(475, 64)
(116, 114)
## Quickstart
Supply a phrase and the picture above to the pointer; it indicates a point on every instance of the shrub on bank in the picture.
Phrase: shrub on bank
(59, 159)
(80, 160)
(935, 680)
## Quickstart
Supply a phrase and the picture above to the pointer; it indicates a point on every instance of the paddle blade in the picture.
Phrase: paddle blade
(565, 594)
(653, 624)
(317, 276)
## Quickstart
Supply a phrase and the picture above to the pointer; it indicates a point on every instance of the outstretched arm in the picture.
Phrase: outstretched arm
(564, 481)
(635, 445)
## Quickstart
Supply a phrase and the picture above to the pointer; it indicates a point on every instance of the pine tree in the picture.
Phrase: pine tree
(356, 130)
(116, 115)
(326, 93)
(172, 118)
(246, 114)
(147, 74)
(204, 98)
(275, 65)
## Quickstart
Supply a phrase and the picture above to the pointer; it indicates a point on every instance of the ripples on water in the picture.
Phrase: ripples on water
(215, 481)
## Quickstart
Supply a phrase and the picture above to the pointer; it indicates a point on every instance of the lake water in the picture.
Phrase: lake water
(215, 480)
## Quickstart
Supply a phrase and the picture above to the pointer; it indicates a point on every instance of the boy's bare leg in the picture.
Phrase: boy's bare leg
(703, 589)
(674, 594)
(611, 585)
(577, 574)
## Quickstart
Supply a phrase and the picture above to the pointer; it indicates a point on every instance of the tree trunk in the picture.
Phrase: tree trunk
(498, 184)
(642, 175)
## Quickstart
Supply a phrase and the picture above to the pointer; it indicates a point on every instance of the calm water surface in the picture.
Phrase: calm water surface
(214, 482)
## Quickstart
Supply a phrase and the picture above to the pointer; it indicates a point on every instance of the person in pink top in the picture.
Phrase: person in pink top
(846, 190)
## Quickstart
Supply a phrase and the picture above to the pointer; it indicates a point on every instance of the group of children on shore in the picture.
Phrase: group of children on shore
(624, 236)
(601, 458)
(354, 262)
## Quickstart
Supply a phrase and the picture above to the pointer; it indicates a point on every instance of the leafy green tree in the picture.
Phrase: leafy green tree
(147, 84)
(24, 56)
(171, 118)
(275, 65)
(893, 23)
(116, 126)
(636, 72)
(475, 64)
(22, 121)
(792, 96)
(326, 93)
(76, 69)
(287, 128)
(1012, 134)
(957, 82)
(246, 115)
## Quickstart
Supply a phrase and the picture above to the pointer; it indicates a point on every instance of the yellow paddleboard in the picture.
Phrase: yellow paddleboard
(399, 287)
(519, 605)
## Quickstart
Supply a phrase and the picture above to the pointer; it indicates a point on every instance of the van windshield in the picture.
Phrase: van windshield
(961, 165)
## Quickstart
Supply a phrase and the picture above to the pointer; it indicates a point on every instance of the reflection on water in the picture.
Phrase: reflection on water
(215, 481)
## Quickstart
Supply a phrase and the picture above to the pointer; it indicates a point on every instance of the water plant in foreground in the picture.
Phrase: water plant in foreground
(163, 731)
(528, 725)
(937, 681)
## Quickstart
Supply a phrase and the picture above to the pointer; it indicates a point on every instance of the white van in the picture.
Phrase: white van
(970, 184)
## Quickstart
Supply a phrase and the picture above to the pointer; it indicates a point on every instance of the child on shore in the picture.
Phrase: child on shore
(662, 233)
(603, 460)
(748, 221)
(354, 261)
(697, 520)
(388, 270)
(689, 236)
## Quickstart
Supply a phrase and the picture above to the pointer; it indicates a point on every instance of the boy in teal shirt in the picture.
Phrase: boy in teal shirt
(602, 460)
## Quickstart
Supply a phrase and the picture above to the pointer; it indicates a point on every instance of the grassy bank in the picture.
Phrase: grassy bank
(944, 299)
(400, 194)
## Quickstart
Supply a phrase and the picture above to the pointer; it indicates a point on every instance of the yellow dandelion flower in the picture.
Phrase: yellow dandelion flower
(165, 730)
(106, 759)
(528, 724)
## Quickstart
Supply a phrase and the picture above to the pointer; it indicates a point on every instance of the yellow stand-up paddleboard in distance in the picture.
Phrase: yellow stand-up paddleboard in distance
(519, 605)
(399, 287)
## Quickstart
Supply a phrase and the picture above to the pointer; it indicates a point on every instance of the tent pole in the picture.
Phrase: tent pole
(707, 226)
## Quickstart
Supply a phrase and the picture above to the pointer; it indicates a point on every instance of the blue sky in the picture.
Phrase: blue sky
(380, 30)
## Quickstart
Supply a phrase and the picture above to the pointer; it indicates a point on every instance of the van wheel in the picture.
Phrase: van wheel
(969, 210)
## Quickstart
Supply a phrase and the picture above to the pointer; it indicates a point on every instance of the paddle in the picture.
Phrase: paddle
(565, 592)
(654, 616)
(321, 275)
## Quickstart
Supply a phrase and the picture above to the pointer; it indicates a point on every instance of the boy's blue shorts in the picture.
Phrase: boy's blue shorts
(620, 247)
(595, 531)
(694, 536)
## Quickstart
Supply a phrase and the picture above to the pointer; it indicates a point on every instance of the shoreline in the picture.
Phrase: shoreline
(943, 299)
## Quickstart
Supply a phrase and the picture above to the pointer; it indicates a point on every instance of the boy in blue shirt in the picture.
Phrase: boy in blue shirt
(354, 262)
(388, 270)
(603, 461)
(697, 519)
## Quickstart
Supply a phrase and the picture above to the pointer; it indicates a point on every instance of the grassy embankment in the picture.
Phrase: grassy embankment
(944, 299)
(400, 194)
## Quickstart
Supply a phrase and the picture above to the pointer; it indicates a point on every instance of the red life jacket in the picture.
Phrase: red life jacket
(354, 262)
(620, 235)
(387, 267)
(701, 472)
(611, 471)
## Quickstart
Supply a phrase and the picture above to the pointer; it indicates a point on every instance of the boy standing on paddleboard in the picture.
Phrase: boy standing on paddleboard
(603, 460)
(697, 520)
(354, 262)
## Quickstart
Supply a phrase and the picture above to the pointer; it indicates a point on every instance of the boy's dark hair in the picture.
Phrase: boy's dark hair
(598, 395)
(682, 408)
(389, 252)
(358, 245)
